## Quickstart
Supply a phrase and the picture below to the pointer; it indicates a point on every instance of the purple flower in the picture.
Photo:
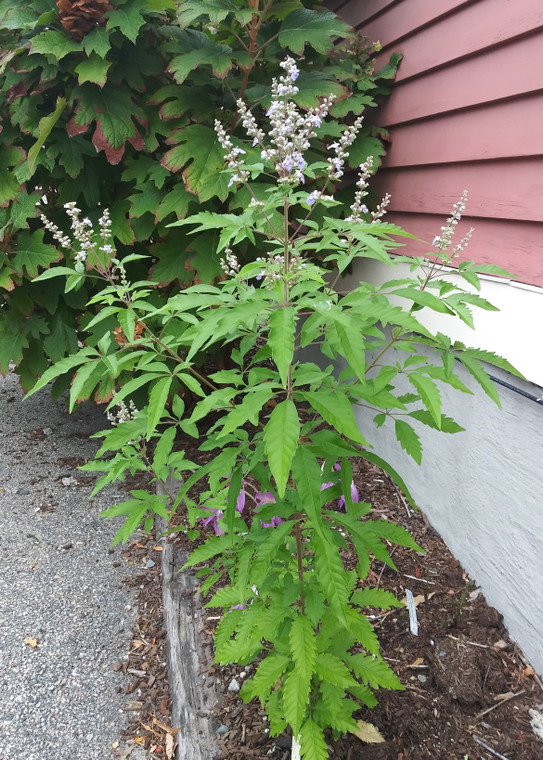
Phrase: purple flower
(267, 498)
(213, 519)
(355, 497)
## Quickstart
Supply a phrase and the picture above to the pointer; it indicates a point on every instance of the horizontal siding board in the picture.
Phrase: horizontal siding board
(515, 246)
(504, 72)
(496, 189)
(404, 19)
(501, 130)
(474, 28)
(356, 13)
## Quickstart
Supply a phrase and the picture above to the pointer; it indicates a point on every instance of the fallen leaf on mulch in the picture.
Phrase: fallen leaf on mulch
(31, 641)
(169, 746)
(164, 727)
(368, 733)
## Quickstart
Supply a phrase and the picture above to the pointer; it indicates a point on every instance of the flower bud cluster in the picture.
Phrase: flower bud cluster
(82, 232)
(443, 242)
(273, 268)
(62, 239)
(229, 264)
(358, 208)
(232, 155)
(337, 161)
(124, 414)
(381, 209)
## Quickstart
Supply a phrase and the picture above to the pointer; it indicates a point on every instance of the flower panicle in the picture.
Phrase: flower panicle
(443, 241)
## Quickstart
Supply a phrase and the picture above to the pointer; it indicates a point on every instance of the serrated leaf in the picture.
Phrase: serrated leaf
(308, 475)
(429, 394)
(303, 647)
(312, 741)
(336, 409)
(157, 403)
(212, 547)
(215, 10)
(54, 43)
(93, 69)
(316, 28)
(248, 409)
(198, 145)
(375, 597)
(374, 672)
(295, 699)
(409, 440)
(333, 670)
(267, 674)
(331, 572)
(282, 324)
(281, 441)
(478, 372)
(448, 425)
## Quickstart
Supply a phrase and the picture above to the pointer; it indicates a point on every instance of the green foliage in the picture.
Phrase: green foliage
(118, 113)
(278, 427)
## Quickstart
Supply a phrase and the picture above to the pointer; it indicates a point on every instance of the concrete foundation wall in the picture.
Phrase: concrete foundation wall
(482, 492)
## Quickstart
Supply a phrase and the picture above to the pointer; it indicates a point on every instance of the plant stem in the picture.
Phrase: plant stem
(299, 557)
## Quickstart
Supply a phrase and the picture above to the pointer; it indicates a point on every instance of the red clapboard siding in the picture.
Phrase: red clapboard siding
(405, 18)
(515, 246)
(501, 130)
(496, 189)
(503, 72)
(355, 12)
(475, 27)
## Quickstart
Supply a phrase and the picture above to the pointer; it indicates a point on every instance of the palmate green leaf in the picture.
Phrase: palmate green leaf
(281, 441)
(54, 43)
(198, 145)
(97, 42)
(177, 202)
(204, 51)
(24, 207)
(303, 647)
(409, 440)
(336, 409)
(313, 86)
(282, 324)
(215, 10)
(62, 338)
(429, 394)
(268, 672)
(316, 28)
(295, 699)
(127, 18)
(312, 741)
(93, 69)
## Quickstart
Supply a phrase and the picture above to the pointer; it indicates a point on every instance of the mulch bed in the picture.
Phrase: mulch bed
(467, 688)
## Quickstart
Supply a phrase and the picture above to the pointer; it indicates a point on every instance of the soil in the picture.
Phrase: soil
(467, 688)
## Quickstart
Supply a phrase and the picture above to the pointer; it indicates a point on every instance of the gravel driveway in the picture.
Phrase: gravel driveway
(65, 613)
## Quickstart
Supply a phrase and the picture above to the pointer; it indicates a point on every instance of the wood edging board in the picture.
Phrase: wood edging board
(192, 701)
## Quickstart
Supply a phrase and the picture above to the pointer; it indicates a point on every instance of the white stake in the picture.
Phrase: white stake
(296, 749)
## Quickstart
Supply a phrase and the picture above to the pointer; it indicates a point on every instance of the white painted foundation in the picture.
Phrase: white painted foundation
(482, 490)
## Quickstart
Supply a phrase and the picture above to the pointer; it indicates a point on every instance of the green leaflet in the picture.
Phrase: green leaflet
(375, 597)
(409, 440)
(157, 403)
(313, 743)
(477, 371)
(331, 573)
(337, 410)
(248, 410)
(281, 441)
(267, 674)
(295, 699)
(303, 647)
(282, 325)
(308, 476)
(429, 394)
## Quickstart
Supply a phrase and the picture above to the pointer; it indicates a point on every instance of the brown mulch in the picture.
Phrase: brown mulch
(467, 688)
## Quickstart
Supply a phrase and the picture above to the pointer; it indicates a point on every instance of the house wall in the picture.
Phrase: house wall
(466, 113)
